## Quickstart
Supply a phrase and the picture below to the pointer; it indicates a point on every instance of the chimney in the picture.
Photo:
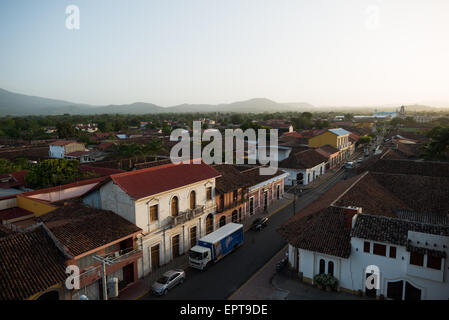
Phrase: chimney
(351, 216)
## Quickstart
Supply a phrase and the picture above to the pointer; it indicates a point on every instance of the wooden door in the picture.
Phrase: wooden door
(155, 262)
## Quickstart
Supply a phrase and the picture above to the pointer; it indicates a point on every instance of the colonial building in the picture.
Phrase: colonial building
(332, 155)
(230, 196)
(338, 138)
(263, 190)
(59, 149)
(304, 167)
(390, 221)
(174, 205)
(85, 233)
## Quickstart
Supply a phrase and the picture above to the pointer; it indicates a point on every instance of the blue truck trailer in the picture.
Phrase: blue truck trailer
(216, 245)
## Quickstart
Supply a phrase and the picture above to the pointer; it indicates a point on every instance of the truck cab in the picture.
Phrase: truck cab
(199, 257)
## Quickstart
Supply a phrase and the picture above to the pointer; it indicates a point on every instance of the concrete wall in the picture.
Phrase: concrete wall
(56, 152)
(351, 272)
(292, 173)
(161, 231)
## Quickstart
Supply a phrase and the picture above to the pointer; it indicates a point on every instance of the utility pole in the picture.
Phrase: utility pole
(104, 261)
(295, 197)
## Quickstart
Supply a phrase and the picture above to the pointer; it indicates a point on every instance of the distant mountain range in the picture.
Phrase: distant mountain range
(16, 104)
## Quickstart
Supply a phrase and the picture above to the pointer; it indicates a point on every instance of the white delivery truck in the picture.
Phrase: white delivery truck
(216, 245)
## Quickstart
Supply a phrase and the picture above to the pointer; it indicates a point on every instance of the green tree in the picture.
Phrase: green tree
(52, 172)
(363, 140)
(438, 147)
(65, 130)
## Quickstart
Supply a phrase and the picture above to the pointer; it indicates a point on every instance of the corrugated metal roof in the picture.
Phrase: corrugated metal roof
(339, 131)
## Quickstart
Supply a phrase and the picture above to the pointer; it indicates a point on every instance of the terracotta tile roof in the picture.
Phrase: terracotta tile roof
(4, 231)
(150, 164)
(99, 170)
(30, 263)
(382, 194)
(312, 133)
(253, 177)
(327, 150)
(81, 229)
(14, 213)
(326, 232)
(63, 142)
(392, 230)
(146, 182)
(231, 178)
(423, 168)
(19, 176)
(391, 154)
(293, 134)
(79, 153)
(327, 198)
(424, 217)
(104, 145)
(353, 137)
(303, 160)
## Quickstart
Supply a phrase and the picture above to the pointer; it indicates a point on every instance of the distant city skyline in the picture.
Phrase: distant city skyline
(324, 52)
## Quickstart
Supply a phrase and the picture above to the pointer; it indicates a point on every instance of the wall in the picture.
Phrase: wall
(159, 232)
(323, 139)
(351, 271)
(56, 152)
(292, 173)
(37, 207)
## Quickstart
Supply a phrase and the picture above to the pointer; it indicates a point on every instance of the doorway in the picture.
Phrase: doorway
(155, 260)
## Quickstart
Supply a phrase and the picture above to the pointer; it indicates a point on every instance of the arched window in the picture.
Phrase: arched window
(322, 266)
(192, 200)
(174, 206)
(222, 221)
(330, 268)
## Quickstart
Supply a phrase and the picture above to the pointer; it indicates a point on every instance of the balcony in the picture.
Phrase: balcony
(187, 215)
(116, 260)
(232, 204)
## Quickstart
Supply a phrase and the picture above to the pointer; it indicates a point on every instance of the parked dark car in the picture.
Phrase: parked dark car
(259, 224)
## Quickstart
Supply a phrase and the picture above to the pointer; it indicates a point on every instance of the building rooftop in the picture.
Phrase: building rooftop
(339, 131)
(146, 182)
(303, 160)
(392, 230)
(30, 263)
(326, 232)
(63, 142)
(81, 229)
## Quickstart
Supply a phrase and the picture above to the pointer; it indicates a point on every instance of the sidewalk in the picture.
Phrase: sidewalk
(267, 284)
(143, 286)
(295, 289)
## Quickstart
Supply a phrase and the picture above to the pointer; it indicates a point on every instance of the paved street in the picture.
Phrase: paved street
(222, 279)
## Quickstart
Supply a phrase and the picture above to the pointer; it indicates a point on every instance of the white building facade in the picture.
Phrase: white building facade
(417, 270)
(172, 220)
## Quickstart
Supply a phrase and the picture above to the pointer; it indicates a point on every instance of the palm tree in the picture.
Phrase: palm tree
(154, 147)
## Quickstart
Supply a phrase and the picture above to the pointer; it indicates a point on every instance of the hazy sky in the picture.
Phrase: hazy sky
(345, 52)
